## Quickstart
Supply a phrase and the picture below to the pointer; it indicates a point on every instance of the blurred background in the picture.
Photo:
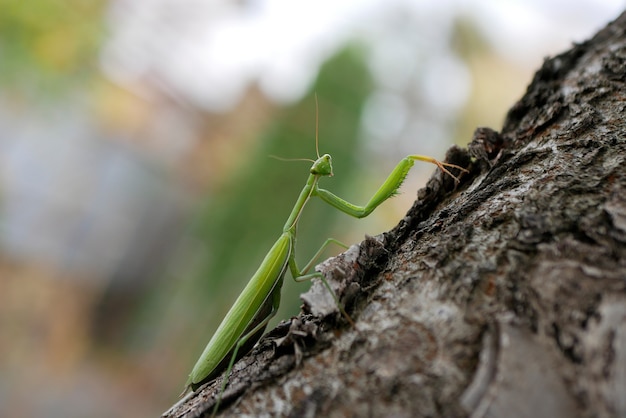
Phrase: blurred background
(136, 191)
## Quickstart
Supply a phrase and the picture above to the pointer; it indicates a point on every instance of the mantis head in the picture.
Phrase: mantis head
(323, 166)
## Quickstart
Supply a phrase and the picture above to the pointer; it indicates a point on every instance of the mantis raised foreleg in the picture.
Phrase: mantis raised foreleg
(257, 304)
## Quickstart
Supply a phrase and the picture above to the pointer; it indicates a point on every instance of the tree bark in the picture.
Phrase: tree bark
(504, 296)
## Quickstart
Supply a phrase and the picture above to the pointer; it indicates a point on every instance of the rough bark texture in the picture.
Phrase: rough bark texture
(504, 296)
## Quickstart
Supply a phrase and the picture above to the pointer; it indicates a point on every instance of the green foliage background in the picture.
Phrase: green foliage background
(48, 44)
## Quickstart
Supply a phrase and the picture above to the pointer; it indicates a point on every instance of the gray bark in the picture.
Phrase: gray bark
(502, 296)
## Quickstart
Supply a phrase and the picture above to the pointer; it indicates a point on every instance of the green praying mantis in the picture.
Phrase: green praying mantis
(246, 320)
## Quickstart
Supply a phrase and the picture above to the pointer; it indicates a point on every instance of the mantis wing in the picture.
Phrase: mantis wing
(252, 306)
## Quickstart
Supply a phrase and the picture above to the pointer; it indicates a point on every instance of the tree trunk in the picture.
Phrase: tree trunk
(504, 296)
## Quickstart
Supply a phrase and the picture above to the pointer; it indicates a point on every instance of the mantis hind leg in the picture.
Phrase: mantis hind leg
(257, 329)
